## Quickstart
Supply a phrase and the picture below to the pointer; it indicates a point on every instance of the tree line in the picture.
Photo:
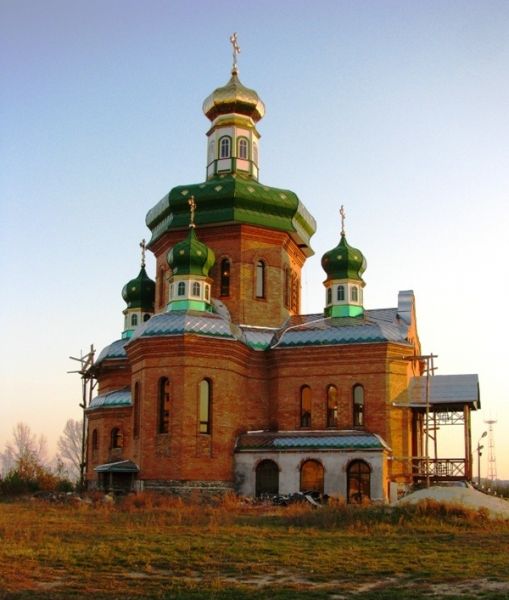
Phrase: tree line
(25, 466)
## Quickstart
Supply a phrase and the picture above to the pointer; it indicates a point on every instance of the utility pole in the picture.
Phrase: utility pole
(87, 387)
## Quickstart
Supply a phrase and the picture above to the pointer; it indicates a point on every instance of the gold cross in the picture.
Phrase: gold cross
(143, 247)
(343, 216)
(192, 208)
(236, 50)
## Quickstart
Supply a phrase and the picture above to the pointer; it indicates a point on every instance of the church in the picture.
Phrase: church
(219, 382)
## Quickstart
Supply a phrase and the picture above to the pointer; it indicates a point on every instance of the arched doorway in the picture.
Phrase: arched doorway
(267, 478)
(311, 476)
(358, 482)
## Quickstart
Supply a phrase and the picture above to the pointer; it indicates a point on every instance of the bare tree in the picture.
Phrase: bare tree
(25, 452)
(69, 447)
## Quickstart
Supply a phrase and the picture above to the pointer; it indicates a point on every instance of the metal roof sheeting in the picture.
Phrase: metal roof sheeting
(114, 350)
(121, 466)
(445, 390)
(112, 399)
(374, 326)
(180, 322)
(307, 440)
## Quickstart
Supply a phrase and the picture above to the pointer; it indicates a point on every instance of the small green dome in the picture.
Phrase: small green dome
(344, 262)
(191, 257)
(140, 292)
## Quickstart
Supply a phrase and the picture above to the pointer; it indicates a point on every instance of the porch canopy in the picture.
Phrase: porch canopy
(121, 466)
(446, 392)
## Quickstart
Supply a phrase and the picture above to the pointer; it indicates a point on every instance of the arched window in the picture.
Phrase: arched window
(341, 293)
(260, 279)
(181, 288)
(267, 478)
(358, 405)
(332, 406)
(196, 289)
(311, 476)
(329, 295)
(255, 152)
(136, 410)
(116, 438)
(205, 407)
(243, 153)
(225, 277)
(354, 294)
(163, 405)
(358, 482)
(224, 147)
(134, 320)
(305, 406)
(207, 292)
(146, 317)
(95, 440)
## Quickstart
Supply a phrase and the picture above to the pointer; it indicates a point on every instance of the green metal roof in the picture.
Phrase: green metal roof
(344, 262)
(140, 292)
(233, 199)
(309, 440)
(112, 399)
(190, 256)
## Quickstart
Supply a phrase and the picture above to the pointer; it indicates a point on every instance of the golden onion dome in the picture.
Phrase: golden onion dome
(234, 98)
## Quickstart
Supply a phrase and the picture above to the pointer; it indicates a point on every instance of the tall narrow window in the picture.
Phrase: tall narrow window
(134, 320)
(161, 286)
(205, 406)
(329, 295)
(95, 440)
(116, 438)
(358, 482)
(255, 153)
(332, 406)
(286, 287)
(305, 406)
(136, 410)
(341, 293)
(224, 147)
(146, 317)
(181, 288)
(243, 149)
(196, 289)
(260, 279)
(358, 406)
(354, 294)
(225, 277)
(163, 405)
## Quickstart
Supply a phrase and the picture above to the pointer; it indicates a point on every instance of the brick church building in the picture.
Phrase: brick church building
(220, 383)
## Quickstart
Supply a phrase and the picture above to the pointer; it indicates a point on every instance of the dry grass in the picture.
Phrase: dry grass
(150, 546)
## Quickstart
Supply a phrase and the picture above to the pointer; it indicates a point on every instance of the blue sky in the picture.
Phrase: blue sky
(396, 109)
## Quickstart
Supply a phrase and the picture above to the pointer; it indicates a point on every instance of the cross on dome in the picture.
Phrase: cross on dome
(236, 51)
(143, 247)
(192, 208)
(343, 217)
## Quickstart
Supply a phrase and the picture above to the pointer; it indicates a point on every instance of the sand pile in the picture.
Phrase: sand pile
(497, 508)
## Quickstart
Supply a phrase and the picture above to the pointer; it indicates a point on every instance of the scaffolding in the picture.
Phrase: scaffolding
(88, 384)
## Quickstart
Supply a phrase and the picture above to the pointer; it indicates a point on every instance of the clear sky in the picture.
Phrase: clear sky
(396, 109)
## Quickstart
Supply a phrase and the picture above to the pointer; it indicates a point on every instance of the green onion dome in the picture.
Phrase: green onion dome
(191, 257)
(234, 98)
(140, 292)
(344, 262)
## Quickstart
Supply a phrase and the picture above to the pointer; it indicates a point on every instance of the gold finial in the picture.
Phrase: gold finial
(343, 216)
(236, 50)
(192, 208)
(143, 247)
